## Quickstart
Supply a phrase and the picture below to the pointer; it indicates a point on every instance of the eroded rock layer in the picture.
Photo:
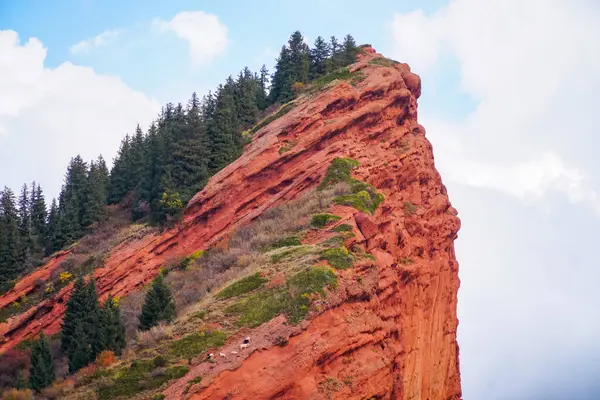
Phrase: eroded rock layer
(395, 338)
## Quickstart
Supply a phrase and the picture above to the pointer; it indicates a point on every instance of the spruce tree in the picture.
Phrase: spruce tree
(79, 351)
(81, 314)
(349, 51)
(224, 129)
(158, 305)
(119, 182)
(335, 51)
(283, 78)
(318, 58)
(112, 330)
(41, 372)
(51, 229)
(39, 215)
(10, 238)
(25, 227)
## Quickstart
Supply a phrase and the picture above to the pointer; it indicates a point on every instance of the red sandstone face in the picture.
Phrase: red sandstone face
(392, 336)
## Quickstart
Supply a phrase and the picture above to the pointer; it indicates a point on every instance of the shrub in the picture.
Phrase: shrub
(320, 220)
(196, 343)
(383, 62)
(338, 171)
(242, 286)
(363, 197)
(57, 389)
(339, 258)
(295, 251)
(287, 146)
(18, 394)
(65, 277)
(159, 361)
(293, 300)
(286, 242)
(280, 341)
(281, 112)
(158, 396)
(154, 335)
(106, 358)
(343, 228)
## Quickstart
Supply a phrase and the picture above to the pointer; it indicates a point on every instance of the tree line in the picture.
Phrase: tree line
(158, 171)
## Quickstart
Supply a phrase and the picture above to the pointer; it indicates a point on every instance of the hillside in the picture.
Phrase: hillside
(355, 305)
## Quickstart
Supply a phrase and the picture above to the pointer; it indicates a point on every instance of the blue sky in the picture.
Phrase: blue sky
(511, 93)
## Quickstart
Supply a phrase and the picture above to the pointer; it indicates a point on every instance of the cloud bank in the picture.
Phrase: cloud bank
(521, 167)
(49, 115)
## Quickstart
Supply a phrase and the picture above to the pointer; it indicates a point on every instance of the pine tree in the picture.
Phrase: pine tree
(158, 305)
(224, 129)
(112, 330)
(119, 182)
(39, 215)
(262, 95)
(318, 58)
(300, 57)
(79, 351)
(25, 227)
(283, 78)
(41, 372)
(94, 208)
(10, 239)
(81, 314)
(335, 51)
(51, 229)
(349, 51)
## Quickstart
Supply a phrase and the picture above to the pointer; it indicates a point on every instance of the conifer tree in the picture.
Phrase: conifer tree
(51, 229)
(79, 351)
(112, 330)
(349, 51)
(283, 78)
(158, 305)
(80, 335)
(39, 215)
(224, 130)
(335, 51)
(25, 227)
(318, 58)
(41, 372)
(119, 179)
(10, 239)
(262, 94)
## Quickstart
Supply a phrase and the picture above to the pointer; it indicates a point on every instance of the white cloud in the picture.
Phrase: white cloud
(206, 36)
(48, 115)
(103, 39)
(528, 327)
(532, 67)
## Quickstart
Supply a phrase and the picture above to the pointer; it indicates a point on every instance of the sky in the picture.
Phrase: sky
(511, 101)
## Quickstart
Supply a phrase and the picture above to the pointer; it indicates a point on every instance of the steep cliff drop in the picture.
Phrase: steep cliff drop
(393, 336)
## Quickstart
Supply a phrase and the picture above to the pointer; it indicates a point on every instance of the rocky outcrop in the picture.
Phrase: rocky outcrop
(395, 340)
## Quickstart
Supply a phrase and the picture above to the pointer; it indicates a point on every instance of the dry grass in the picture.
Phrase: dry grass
(155, 335)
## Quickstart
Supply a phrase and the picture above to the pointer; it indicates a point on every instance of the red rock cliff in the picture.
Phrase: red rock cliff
(401, 335)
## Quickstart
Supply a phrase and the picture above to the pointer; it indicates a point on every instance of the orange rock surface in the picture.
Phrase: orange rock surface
(391, 337)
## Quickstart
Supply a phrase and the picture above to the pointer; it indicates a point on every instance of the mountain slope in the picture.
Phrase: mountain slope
(390, 328)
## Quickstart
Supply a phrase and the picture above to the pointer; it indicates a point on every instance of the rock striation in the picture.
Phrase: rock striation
(395, 338)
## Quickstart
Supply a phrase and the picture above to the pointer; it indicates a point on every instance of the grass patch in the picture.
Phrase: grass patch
(363, 197)
(242, 286)
(294, 300)
(340, 170)
(409, 208)
(320, 220)
(195, 343)
(383, 62)
(281, 112)
(286, 242)
(338, 258)
(287, 146)
(343, 228)
(342, 74)
(297, 251)
(139, 377)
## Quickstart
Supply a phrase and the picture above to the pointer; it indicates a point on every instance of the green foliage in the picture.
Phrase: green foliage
(321, 220)
(362, 196)
(111, 329)
(137, 378)
(295, 251)
(41, 372)
(280, 113)
(383, 62)
(186, 262)
(340, 170)
(244, 285)
(293, 300)
(158, 305)
(338, 258)
(343, 228)
(196, 343)
(286, 242)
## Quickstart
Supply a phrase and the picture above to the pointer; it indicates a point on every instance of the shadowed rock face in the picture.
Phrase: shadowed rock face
(390, 331)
